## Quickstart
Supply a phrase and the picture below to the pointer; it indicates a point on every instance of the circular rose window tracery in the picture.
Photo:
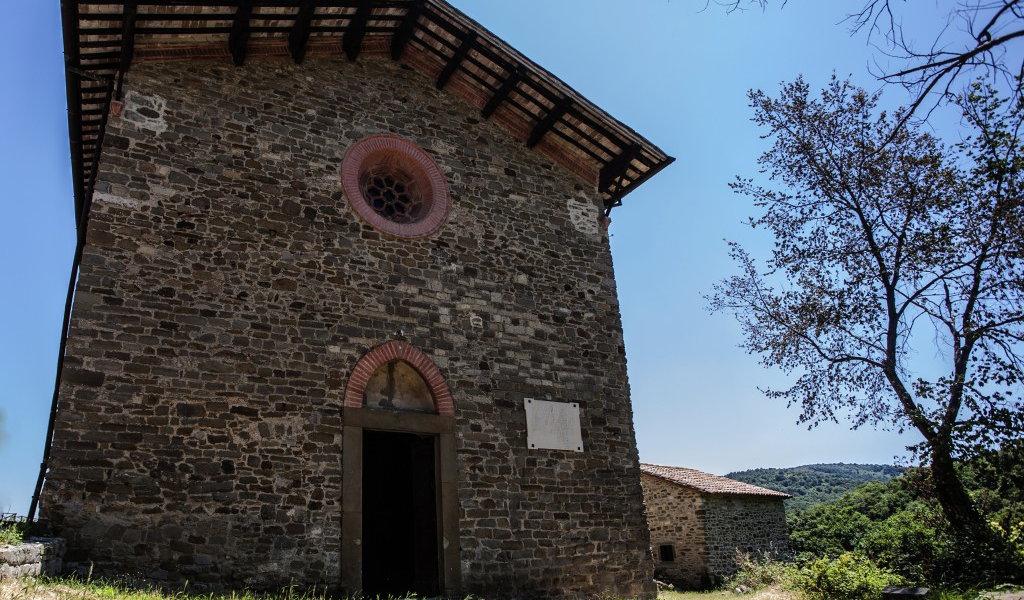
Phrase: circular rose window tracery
(392, 194)
(395, 186)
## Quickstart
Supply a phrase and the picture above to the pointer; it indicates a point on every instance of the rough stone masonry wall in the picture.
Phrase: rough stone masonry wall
(675, 515)
(227, 290)
(751, 525)
(37, 556)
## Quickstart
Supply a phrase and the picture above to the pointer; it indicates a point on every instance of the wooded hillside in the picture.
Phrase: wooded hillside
(815, 484)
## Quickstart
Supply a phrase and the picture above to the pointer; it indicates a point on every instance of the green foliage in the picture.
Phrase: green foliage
(996, 481)
(899, 526)
(11, 533)
(849, 576)
(760, 572)
(831, 529)
(907, 544)
(816, 484)
(826, 530)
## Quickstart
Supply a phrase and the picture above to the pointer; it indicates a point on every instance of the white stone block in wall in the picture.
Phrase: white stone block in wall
(553, 425)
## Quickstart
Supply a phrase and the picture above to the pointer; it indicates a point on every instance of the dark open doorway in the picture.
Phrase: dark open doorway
(400, 516)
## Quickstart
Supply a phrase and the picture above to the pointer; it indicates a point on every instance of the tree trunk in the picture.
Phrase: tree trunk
(956, 504)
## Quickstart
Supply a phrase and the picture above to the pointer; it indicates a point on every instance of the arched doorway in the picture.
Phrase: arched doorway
(399, 505)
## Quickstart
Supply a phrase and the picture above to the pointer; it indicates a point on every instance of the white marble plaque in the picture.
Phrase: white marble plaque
(553, 425)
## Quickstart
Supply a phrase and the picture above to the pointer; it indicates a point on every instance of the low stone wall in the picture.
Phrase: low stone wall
(37, 556)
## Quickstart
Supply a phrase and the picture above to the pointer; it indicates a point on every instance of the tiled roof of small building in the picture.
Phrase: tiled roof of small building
(708, 483)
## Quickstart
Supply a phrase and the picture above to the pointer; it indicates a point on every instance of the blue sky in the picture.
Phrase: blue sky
(673, 70)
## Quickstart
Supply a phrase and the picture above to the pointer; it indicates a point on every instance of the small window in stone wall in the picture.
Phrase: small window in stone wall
(395, 186)
(397, 386)
(667, 553)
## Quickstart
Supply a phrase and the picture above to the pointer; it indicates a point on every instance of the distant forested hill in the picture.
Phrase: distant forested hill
(814, 484)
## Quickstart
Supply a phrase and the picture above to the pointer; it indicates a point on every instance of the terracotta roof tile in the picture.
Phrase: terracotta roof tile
(706, 482)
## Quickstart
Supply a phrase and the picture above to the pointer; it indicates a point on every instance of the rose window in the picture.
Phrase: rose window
(395, 186)
(393, 195)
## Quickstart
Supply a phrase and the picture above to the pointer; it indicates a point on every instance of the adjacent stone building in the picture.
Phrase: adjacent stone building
(334, 256)
(700, 523)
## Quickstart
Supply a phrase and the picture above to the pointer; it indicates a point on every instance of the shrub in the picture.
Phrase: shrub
(763, 571)
(918, 545)
(847, 577)
(11, 533)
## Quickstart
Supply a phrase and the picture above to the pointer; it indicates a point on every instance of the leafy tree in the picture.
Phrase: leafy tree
(879, 501)
(890, 250)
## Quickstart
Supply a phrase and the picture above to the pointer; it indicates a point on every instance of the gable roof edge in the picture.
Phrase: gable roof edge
(100, 44)
(714, 485)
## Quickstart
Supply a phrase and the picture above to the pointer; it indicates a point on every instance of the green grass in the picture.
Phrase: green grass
(667, 595)
(71, 588)
(78, 589)
(124, 589)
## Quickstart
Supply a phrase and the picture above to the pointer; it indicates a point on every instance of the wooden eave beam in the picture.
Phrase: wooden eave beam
(352, 43)
(238, 41)
(73, 83)
(453, 64)
(491, 70)
(554, 115)
(617, 167)
(128, 17)
(406, 29)
(616, 198)
(299, 36)
(100, 132)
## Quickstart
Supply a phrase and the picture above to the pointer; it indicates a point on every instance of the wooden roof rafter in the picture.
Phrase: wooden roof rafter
(553, 116)
(352, 40)
(299, 35)
(104, 37)
(238, 40)
(460, 54)
(129, 16)
(501, 94)
(405, 30)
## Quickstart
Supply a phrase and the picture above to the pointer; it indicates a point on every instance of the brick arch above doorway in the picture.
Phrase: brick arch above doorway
(399, 350)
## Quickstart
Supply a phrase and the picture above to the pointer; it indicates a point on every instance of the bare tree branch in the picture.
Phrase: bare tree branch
(933, 75)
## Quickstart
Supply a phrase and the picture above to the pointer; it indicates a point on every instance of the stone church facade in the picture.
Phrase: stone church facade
(315, 295)
(701, 523)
